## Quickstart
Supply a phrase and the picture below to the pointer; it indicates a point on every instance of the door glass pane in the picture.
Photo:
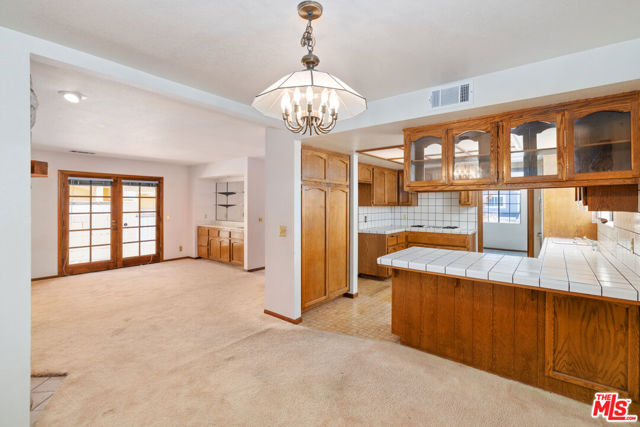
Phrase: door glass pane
(130, 234)
(79, 204)
(101, 237)
(472, 155)
(534, 149)
(78, 221)
(148, 218)
(101, 204)
(130, 205)
(148, 191)
(148, 248)
(79, 238)
(101, 253)
(101, 220)
(426, 159)
(147, 233)
(130, 190)
(78, 255)
(130, 249)
(148, 204)
(130, 219)
(602, 142)
(79, 190)
(101, 190)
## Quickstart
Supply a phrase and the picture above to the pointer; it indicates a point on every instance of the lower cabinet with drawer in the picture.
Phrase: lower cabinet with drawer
(371, 246)
(221, 244)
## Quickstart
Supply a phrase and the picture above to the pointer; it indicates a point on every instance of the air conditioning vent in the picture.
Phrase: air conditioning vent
(81, 152)
(451, 95)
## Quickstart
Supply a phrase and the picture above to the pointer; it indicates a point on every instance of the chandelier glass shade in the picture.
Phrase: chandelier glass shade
(309, 101)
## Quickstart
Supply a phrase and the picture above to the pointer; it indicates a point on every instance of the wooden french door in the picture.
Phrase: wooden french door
(108, 221)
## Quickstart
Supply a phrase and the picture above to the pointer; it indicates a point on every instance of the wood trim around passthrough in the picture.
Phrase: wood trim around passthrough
(530, 223)
(281, 317)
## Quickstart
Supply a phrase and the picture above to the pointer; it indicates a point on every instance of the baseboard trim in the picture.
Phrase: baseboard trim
(281, 317)
(251, 270)
(45, 278)
(348, 295)
(178, 259)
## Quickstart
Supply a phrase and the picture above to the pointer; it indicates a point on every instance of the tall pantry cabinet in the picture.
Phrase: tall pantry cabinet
(325, 225)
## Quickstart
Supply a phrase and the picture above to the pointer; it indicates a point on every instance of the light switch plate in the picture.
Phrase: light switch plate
(283, 231)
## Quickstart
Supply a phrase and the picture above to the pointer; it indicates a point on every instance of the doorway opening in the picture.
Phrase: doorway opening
(108, 221)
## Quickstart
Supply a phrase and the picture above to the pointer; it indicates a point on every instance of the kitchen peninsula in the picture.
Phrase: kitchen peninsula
(566, 322)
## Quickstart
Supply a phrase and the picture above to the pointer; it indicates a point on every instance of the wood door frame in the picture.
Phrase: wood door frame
(530, 212)
(116, 213)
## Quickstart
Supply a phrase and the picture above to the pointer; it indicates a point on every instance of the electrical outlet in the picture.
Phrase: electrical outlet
(365, 218)
(180, 248)
(260, 219)
(404, 217)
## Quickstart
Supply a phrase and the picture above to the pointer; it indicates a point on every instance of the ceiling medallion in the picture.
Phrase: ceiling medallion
(308, 100)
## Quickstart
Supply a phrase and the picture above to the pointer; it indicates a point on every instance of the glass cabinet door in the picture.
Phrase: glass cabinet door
(533, 152)
(427, 159)
(601, 142)
(473, 153)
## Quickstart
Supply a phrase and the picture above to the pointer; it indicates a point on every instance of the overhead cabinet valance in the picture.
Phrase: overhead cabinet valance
(582, 143)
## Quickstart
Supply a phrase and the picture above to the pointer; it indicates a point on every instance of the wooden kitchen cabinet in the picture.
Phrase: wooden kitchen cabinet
(468, 198)
(602, 140)
(405, 198)
(325, 231)
(365, 173)
(532, 147)
(473, 152)
(371, 246)
(385, 187)
(591, 142)
(221, 244)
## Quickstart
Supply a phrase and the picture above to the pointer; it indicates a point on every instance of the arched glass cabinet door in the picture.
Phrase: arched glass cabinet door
(426, 157)
(532, 147)
(600, 140)
(473, 153)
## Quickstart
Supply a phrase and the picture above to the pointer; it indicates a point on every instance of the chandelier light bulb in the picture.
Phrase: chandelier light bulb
(296, 96)
(324, 97)
(333, 101)
(309, 95)
(285, 103)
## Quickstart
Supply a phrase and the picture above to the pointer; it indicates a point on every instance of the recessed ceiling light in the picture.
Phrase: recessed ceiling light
(72, 97)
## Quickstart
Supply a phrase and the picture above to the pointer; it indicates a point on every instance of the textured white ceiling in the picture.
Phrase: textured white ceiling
(381, 48)
(118, 120)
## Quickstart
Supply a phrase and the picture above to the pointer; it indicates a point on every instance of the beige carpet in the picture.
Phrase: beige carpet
(186, 343)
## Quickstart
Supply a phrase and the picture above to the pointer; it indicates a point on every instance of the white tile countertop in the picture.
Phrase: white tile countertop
(563, 264)
(390, 229)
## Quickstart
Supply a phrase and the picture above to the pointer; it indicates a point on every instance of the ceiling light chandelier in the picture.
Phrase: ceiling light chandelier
(308, 101)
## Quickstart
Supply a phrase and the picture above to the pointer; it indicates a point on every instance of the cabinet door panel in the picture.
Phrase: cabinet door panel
(338, 241)
(338, 170)
(314, 165)
(533, 148)
(391, 187)
(237, 251)
(425, 156)
(473, 152)
(365, 173)
(379, 187)
(314, 203)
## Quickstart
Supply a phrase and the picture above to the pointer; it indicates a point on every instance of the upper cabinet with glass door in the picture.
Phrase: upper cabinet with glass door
(533, 148)
(600, 138)
(473, 152)
(426, 161)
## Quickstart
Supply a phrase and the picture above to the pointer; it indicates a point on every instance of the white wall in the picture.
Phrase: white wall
(254, 214)
(15, 249)
(282, 254)
(44, 196)
(508, 236)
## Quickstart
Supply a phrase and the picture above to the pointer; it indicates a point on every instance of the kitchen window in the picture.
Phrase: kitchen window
(501, 206)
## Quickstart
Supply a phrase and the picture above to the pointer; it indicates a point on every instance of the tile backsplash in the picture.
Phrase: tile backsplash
(434, 209)
(623, 238)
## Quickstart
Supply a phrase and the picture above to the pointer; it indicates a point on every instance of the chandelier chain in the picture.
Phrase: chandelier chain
(307, 39)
